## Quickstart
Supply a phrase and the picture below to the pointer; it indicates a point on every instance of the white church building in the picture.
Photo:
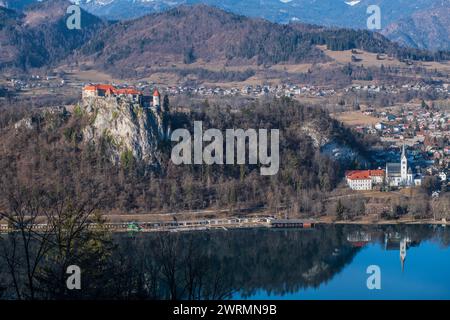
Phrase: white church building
(400, 174)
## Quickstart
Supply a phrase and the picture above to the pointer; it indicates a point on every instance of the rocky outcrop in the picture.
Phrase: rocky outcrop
(332, 146)
(127, 127)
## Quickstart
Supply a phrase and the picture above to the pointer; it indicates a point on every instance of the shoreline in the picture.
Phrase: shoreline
(262, 221)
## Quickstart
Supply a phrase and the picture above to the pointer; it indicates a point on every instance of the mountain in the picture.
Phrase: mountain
(38, 36)
(420, 24)
(427, 29)
(340, 13)
(189, 33)
(126, 9)
(401, 20)
(17, 4)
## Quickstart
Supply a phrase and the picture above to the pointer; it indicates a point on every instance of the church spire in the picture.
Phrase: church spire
(403, 253)
(403, 151)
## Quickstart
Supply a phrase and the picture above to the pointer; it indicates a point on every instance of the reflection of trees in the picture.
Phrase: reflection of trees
(50, 232)
(217, 264)
(212, 264)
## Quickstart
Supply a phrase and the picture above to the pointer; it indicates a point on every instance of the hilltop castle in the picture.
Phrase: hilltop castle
(109, 93)
(130, 94)
(107, 90)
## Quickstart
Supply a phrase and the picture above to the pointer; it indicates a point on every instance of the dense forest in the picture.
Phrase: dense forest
(51, 155)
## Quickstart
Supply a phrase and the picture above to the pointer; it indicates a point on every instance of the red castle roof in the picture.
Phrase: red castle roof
(111, 89)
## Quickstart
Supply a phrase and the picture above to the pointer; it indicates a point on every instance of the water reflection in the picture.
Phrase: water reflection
(257, 263)
(393, 240)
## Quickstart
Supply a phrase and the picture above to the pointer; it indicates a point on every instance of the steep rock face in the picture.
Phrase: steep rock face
(333, 147)
(127, 127)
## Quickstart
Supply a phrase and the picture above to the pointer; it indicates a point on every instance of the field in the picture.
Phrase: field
(370, 60)
(355, 118)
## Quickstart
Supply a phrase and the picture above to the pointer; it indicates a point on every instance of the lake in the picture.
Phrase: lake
(326, 262)
(422, 273)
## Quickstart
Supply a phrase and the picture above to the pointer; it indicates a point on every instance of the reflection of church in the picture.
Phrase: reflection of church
(359, 238)
(396, 241)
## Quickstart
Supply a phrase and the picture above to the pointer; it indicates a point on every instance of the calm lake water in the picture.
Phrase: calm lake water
(329, 262)
(422, 271)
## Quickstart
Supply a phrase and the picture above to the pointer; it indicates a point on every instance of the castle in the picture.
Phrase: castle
(106, 91)
(131, 94)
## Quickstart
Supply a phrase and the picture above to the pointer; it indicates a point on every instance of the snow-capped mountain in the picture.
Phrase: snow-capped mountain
(343, 13)
(125, 9)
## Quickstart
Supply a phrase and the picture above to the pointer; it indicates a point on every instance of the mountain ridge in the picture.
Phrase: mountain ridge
(427, 29)
(401, 20)
(38, 37)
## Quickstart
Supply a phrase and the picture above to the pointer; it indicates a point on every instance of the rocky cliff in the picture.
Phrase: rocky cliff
(129, 129)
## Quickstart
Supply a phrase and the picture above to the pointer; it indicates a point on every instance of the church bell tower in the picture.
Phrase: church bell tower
(404, 166)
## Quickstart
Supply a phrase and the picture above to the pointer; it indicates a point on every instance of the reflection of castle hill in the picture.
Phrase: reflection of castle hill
(247, 260)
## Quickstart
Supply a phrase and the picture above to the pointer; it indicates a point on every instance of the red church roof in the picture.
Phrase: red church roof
(156, 93)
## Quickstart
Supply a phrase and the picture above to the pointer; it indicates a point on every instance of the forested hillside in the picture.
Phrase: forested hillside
(48, 153)
(39, 37)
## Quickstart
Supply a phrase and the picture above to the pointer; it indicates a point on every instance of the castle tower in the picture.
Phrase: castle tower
(156, 99)
(404, 166)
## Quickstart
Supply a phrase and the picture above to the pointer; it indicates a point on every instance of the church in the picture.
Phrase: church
(400, 174)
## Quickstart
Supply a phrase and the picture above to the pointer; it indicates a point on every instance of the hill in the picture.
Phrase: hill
(201, 33)
(190, 33)
(161, 42)
(73, 151)
(39, 37)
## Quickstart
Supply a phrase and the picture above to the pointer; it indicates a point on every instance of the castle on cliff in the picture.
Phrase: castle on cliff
(130, 94)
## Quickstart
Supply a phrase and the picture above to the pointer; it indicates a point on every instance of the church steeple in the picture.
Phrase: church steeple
(404, 166)
(403, 253)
